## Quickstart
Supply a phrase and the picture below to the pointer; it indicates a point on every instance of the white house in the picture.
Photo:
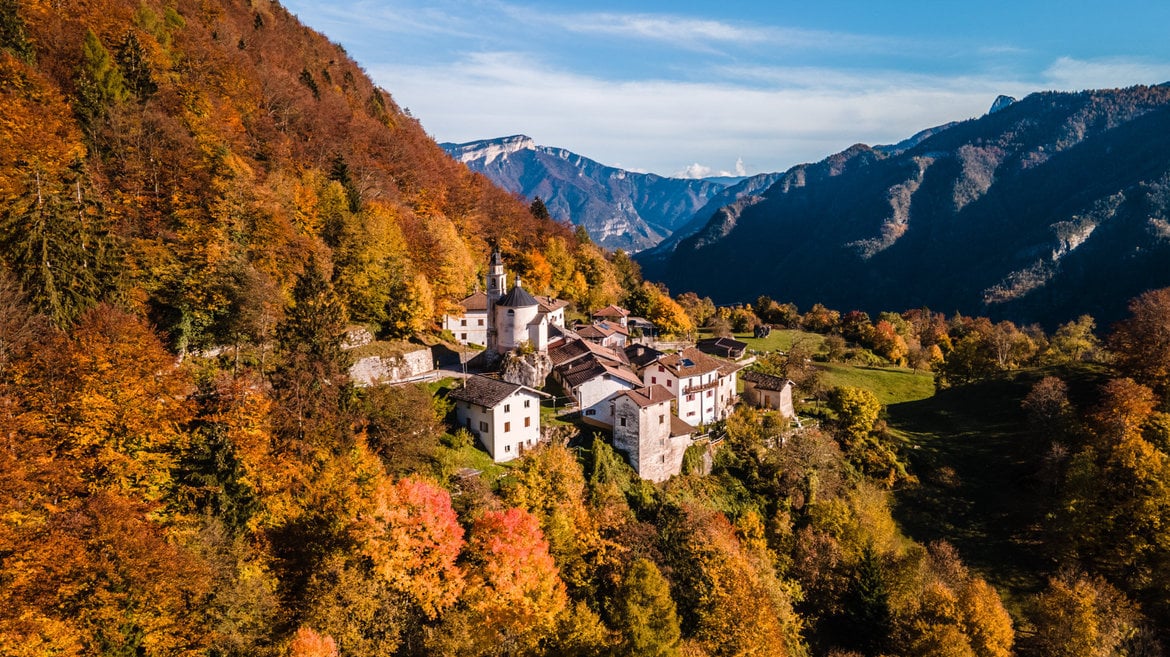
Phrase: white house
(471, 326)
(703, 385)
(592, 381)
(653, 439)
(504, 416)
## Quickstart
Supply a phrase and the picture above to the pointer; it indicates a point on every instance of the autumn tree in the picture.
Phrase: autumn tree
(644, 612)
(1079, 615)
(1074, 341)
(514, 595)
(413, 539)
(1141, 342)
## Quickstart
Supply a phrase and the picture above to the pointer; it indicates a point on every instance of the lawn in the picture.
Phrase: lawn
(782, 340)
(892, 385)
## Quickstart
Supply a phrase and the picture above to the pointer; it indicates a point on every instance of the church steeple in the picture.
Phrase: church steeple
(497, 280)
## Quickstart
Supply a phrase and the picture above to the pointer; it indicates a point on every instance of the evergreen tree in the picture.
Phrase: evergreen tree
(135, 67)
(867, 607)
(12, 34)
(538, 209)
(52, 237)
(312, 379)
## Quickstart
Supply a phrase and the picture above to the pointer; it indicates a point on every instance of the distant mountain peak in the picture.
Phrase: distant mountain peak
(488, 150)
(1001, 101)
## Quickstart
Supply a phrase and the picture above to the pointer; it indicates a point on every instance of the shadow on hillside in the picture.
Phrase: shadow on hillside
(977, 463)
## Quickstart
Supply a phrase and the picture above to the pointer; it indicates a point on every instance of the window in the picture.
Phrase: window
(669, 383)
(527, 421)
(527, 403)
(690, 398)
(591, 411)
(483, 425)
(661, 369)
(507, 448)
(622, 421)
(507, 427)
(462, 336)
(662, 419)
(662, 459)
(690, 413)
(710, 393)
(481, 322)
(463, 322)
(653, 379)
(507, 407)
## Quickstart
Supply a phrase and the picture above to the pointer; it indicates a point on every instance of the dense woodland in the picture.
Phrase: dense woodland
(184, 180)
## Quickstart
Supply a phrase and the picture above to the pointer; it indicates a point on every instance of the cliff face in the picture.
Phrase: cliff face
(1047, 208)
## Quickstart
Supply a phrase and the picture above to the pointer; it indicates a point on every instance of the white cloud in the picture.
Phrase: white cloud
(1070, 74)
(664, 126)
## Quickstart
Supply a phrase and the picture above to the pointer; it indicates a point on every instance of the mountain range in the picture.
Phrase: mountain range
(1042, 209)
(619, 209)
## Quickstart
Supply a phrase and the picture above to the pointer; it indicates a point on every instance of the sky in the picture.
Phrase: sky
(693, 89)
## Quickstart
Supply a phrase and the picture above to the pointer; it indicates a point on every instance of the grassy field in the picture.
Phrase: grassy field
(782, 340)
(892, 385)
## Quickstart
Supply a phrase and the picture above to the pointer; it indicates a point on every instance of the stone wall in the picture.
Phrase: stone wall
(374, 370)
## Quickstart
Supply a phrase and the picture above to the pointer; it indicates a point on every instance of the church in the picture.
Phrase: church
(503, 319)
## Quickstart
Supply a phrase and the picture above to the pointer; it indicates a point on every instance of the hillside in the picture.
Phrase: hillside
(620, 209)
(187, 160)
(1016, 214)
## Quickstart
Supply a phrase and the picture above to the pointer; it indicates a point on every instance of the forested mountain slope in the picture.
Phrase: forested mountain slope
(1053, 206)
(186, 160)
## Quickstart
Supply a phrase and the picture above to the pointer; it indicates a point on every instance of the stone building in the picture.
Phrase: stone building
(651, 436)
(504, 416)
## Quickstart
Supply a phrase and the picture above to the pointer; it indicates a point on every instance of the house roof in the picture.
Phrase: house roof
(475, 302)
(549, 304)
(568, 351)
(650, 395)
(679, 427)
(517, 297)
(484, 391)
(691, 362)
(641, 355)
(611, 311)
(721, 345)
(590, 367)
(766, 381)
(600, 330)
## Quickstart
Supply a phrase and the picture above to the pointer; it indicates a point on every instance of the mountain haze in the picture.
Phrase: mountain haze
(1049, 207)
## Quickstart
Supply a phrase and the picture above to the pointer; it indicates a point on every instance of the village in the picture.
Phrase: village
(655, 399)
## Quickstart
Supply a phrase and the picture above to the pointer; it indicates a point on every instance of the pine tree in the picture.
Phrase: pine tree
(12, 33)
(868, 606)
(538, 209)
(132, 61)
(52, 237)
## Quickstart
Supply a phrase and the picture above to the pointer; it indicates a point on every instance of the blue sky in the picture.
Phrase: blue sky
(688, 88)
